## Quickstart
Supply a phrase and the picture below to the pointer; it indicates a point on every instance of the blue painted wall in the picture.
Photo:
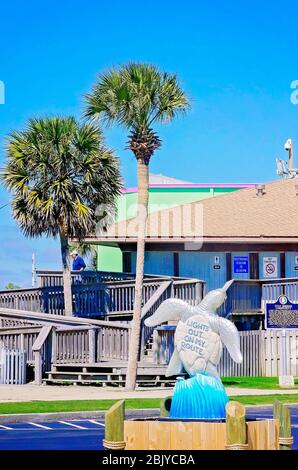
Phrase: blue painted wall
(156, 263)
(291, 264)
(201, 266)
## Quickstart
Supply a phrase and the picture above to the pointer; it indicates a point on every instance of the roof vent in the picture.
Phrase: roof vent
(260, 190)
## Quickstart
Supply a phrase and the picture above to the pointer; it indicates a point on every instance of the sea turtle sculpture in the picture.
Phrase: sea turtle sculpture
(198, 341)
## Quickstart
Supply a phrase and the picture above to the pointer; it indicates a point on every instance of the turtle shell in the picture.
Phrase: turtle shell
(197, 344)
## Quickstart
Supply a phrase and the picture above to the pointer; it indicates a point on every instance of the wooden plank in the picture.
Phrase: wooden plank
(42, 337)
(208, 436)
(155, 297)
(262, 435)
(92, 345)
(136, 435)
(181, 435)
(37, 367)
(159, 437)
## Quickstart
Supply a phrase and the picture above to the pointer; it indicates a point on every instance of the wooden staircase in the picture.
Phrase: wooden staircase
(107, 374)
(86, 349)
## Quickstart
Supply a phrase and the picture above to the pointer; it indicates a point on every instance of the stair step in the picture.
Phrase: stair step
(152, 382)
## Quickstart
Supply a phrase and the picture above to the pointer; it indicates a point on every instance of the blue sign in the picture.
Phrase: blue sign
(283, 314)
(240, 264)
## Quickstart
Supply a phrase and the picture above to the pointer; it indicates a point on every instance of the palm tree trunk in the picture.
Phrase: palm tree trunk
(66, 274)
(134, 344)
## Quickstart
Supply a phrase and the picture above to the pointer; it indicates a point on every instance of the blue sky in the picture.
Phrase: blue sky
(236, 61)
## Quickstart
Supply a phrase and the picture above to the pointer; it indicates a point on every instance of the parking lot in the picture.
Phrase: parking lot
(85, 434)
(58, 435)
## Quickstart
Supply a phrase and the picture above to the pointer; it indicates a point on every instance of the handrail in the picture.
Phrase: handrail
(155, 297)
(41, 339)
(56, 320)
(19, 329)
(147, 310)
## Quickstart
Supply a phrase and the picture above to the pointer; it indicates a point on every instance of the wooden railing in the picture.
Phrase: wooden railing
(112, 343)
(22, 299)
(190, 290)
(165, 291)
(90, 344)
(242, 297)
(247, 295)
(97, 300)
(49, 278)
(21, 338)
(51, 344)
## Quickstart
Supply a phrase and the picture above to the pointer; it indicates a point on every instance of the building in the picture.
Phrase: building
(164, 193)
(251, 233)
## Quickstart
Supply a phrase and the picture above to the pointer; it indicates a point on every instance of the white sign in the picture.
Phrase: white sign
(216, 260)
(270, 267)
(286, 381)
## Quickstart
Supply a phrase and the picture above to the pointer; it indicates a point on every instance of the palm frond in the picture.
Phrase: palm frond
(59, 172)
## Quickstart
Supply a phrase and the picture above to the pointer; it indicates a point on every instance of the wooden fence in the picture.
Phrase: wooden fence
(20, 338)
(91, 344)
(261, 353)
(12, 366)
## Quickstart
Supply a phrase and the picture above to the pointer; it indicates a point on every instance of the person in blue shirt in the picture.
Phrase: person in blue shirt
(78, 263)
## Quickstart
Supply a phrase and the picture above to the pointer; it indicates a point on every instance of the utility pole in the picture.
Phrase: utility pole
(33, 269)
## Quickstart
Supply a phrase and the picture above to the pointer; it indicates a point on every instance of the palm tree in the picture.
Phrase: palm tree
(137, 96)
(59, 172)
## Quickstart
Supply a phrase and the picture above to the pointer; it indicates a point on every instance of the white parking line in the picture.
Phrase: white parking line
(73, 425)
(96, 422)
(5, 427)
(40, 426)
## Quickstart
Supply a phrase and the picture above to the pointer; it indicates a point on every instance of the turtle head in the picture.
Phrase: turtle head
(215, 298)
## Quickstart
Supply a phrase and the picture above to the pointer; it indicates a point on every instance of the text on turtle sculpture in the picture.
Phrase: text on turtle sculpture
(198, 340)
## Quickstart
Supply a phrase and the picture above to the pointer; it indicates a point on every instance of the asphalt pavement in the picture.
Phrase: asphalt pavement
(85, 434)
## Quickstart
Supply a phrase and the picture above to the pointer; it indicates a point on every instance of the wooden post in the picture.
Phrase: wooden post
(114, 432)
(37, 368)
(199, 293)
(156, 347)
(236, 427)
(54, 348)
(22, 341)
(282, 413)
(92, 352)
(165, 407)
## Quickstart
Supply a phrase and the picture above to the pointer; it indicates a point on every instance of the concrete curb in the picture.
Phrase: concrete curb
(73, 415)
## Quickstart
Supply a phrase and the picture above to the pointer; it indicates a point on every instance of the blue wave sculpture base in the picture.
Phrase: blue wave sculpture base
(200, 397)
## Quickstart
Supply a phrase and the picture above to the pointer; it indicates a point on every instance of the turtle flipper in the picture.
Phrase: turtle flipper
(169, 310)
(230, 337)
(175, 366)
